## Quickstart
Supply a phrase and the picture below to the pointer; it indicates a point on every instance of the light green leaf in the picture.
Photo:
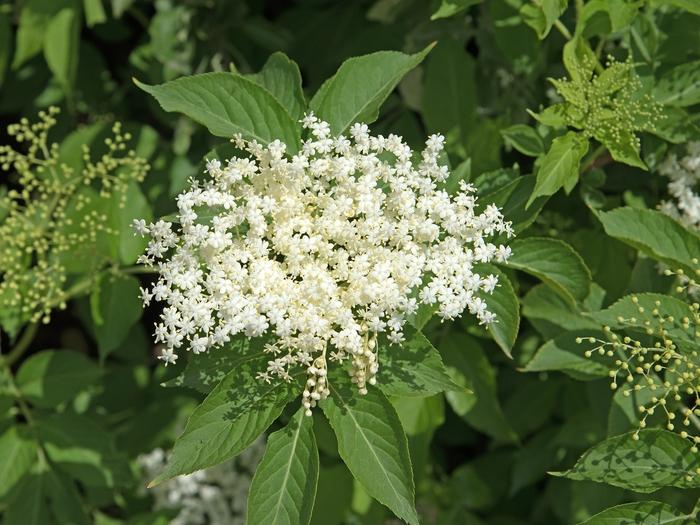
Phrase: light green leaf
(659, 458)
(465, 355)
(280, 76)
(61, 46)
(135, 206)
(334, 495)
(624, 409)
(654, 234)
(412, 368)
(691, 6)
(450, 8)
(34, 19)
(679, 86)
(52, 377)
(19, 453)
(503, 302)
(564, 354)
(555, 263)
(83, 449)
(360, 86)
(560, 165)
(551, 315)
(623, 147)
(228, 104)
(94, 12)
(641, 513)
(419, 415)
(284, 486)
(541, 15)
(373, 445)
(120, 307)
(524, 139)
(230, 418)
(449, 91)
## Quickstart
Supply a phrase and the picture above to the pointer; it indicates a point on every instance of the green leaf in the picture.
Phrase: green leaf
(634, 311)
(228, 104)
(542, 14)
(659, 458)
(449, 91)
(419, 415)
(230, 418)
(679, 86)
(641, 513)
(555, 263)
(623, 147)
(373, 445)
(450, 8)
(689, 5)
(524, 139)
(64, 499)
(284, 486)
(83, 449)
(413, 368)
(465, 355)
(564, 354)
(28, 505)
(136, 207)
(61, 47)
(280, 76)
(34, 20)
(334, 495)
(360, 86)
(513, 198)
(94, 12)
(503, 302)
(120, 307)
(654, 234)
(624, 409)
(560, 165)
(19, 453)
(52, 377)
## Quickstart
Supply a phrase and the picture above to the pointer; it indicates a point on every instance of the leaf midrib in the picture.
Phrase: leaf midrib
(289, 467)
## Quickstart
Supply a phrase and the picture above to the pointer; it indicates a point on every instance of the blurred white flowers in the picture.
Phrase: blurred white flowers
(322, 250)
(215, 496)
(685, 178)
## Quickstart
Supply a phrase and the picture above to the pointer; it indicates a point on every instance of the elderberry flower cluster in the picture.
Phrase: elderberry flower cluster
(684, 179)
(322, 250)
(214, 496)
(660, 367)
(51, 208)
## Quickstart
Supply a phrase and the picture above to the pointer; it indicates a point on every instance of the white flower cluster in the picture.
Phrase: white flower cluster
(215, 496)
(685, 180)
(322, 251)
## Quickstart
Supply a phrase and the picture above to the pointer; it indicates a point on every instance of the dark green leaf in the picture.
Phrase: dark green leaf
(120, 307)
(280, 76)
(61, 46)
(564, 354)
(19, 453)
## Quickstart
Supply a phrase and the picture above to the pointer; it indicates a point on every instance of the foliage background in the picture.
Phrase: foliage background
(480, 458)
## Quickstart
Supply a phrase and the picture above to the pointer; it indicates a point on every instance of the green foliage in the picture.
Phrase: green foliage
(467, 424)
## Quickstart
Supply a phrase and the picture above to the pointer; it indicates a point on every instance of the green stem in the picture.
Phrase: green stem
(563, 30)
(591, 160)
(22, 344)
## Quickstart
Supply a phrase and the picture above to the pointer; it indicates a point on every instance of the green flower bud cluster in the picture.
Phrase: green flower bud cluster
(49, 210)
(660, 369)
(608, 106)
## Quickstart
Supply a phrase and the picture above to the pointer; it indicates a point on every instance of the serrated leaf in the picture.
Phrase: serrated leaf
(412, 368)
(555, 263)
(228, 104)
(52, 377)
(230, 418)
(280, 76)
(655, 234)
(659, 458)
(679, 86)
(360, 86)
(641, 513)
(560, 165)
(373, 445)
(284, 486)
